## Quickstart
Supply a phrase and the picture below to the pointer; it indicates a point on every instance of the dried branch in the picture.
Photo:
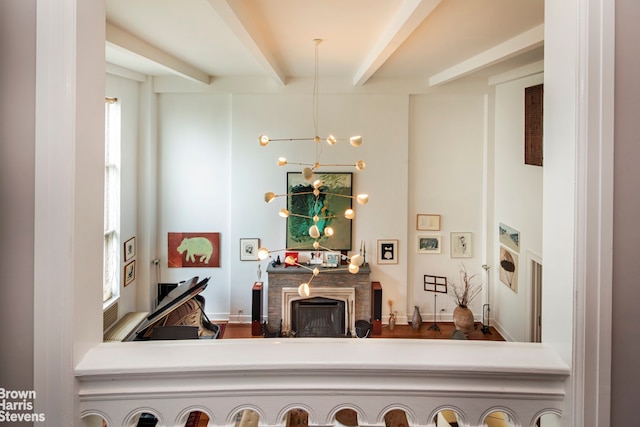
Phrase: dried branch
(466, 291)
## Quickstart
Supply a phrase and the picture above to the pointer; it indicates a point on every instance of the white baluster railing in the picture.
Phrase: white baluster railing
(320, 375)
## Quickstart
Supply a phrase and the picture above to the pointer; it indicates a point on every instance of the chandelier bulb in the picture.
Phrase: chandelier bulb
(349, 214)
(307, 174)
(353, 269)
(360, 165)
(314, 232)
(263, 253)
(316, 245)
(331, 139)
(316, 139)
(362, 199)
(290, 260)
(303, 290)
(263, 140)
(284, 213)
(328, 231)
(355, 141)
(316, 218)
(268, 197)
(317, 183)
(357, 260)
(316, 271)
(282, 161)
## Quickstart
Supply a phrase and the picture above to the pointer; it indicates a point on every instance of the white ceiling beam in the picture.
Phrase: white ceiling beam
(239, 22)
(524, 42)
(119, 71)
(410, 14)
(131, 43)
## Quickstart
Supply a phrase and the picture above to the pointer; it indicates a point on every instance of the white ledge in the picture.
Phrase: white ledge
(480, 357)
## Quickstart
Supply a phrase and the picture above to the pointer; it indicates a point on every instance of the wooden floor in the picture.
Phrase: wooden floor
(243, 330)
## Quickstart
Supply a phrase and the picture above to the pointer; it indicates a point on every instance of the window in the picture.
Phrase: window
(111, 262)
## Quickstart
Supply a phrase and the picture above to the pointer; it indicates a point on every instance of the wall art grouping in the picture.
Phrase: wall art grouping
(193, 250)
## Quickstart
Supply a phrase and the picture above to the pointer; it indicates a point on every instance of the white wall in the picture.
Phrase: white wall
(194, 190)
(517, 204)
(446, 177)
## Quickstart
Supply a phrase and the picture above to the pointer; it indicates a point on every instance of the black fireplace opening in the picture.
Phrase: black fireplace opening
(318, 317)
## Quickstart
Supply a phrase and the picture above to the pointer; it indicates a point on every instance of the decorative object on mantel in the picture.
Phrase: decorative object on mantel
(416, 319)
(322, 190)
(463, 293)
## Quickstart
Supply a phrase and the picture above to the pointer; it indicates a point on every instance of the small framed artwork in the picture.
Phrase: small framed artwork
(316, 258)
(461, 245)
(428, 222)
(249, 249)
(510, 237)
(429, 244)
(333, 259)
(388, 251)
(129, 273)
(129, 249)
(291, 259)
(435, 283)
(509, 268)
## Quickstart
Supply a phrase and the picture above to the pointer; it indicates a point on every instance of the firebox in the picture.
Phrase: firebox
(318, 317)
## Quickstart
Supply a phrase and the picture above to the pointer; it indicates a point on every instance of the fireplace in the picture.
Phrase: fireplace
(353, 291)
(318, 317)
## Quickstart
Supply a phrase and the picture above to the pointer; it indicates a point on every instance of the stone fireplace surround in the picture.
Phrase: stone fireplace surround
(334, 283)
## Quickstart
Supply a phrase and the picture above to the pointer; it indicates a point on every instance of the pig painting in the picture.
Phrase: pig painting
(194, 250)
(196, 246)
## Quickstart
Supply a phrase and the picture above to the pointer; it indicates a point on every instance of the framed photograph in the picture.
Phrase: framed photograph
(388, 251)
(333, 200)
(461, 245)
(129, 273)
(249, 249)
(435, 283)
(129, 249)
(316, 258)
(429, 244)
(509, 237)
(428, 222)
(333, 259)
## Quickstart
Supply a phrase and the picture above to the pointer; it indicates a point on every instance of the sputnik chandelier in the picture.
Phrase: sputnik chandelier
(317, 191)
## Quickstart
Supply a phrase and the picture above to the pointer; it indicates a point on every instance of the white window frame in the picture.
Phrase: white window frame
(111, 255)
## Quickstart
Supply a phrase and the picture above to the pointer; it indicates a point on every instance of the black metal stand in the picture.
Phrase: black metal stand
(435, 326)
(485, 319)
(486, 309)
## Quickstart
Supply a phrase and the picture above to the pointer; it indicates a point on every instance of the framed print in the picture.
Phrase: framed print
(329, 206)
(193, 250)
(129, 273)
(333, 259)
(461, 245)
(249, 249)
(388, 251)
(509, 268)
(428, 222)
(509, 237)
(316, 258)
(129, 249)
(435, 283)
(429, 244)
